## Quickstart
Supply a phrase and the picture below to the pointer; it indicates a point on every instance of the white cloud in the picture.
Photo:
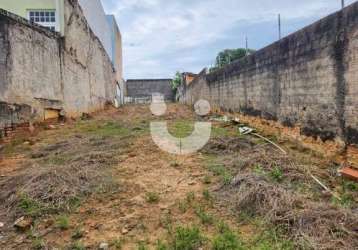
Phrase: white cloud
(157, 32)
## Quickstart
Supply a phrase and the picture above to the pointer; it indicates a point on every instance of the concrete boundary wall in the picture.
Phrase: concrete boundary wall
(144, 88)
(44, 71)
(308, 79)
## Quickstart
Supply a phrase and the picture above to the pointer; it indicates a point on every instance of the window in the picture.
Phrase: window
(46, 18)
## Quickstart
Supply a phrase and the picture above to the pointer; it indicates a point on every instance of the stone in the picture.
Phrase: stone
(191, 183)
(125, 230)
(23, 223)
(103, 246)
(2, 224)
(52, 126)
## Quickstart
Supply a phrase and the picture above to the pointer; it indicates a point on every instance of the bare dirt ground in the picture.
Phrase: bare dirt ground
(102, 183)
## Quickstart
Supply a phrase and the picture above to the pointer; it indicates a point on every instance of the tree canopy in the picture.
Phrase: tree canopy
(176, 80)
(229, 55)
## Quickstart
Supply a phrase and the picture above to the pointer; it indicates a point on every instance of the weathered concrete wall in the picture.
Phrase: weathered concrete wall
(142, 88)
(97, 20)
(89, 77)
(40, 69)
(308, 79)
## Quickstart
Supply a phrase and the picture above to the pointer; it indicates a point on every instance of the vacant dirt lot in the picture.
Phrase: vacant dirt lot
(101, 183)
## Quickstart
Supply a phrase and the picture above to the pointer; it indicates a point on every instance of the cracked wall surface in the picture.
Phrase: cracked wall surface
(43, 70)
(308, 79)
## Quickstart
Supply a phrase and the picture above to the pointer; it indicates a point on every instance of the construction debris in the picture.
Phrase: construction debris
(245, 130)
(349, 173)
(23, 223)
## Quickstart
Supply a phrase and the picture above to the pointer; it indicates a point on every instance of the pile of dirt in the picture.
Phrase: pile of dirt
(316, 225)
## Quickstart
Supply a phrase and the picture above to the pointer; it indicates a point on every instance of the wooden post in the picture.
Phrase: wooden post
(343, 4)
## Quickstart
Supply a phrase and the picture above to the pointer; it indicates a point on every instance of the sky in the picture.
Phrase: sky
(161, 37)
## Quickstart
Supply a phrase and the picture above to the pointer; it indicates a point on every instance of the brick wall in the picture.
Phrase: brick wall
(308, 79)
(42, 70)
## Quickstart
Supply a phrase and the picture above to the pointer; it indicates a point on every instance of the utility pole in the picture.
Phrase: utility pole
(279, 26)
(343, 5)
(247, 46)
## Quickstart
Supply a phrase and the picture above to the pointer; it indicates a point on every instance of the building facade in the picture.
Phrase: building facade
(117, 58)
(97, 20)
(48, 13)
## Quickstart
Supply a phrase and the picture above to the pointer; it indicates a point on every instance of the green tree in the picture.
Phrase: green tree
(229, 55)
(176, 80)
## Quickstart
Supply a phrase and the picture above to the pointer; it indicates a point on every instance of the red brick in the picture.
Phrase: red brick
(350, 173)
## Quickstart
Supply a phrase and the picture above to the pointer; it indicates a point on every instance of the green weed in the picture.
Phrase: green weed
(161, 246)
(29, 206)
(77, 246)
(277, 174)
(183, 206)
(272, 239)
(63, 222)
(190, 197)
(78, 233)
(220, 170)
(37, 243)
(181, 128)
(152, 197)
(142, 246)
(207, 196)
(350, 186)
(227, 240)
(204, 217)
(187, 238)
(117, 244)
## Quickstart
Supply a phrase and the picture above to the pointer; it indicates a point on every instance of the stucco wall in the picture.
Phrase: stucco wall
(116, 40)
(40, 69)
(308, 79)
(97, 20)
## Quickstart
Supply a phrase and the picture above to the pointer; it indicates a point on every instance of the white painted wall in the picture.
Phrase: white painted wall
(96, 18)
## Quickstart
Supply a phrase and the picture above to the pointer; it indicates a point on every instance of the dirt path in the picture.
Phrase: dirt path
(132, 214)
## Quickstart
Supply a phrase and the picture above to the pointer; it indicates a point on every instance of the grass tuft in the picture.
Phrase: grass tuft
(152, 197)
(204, 217)
(63, 222)
(187, 238)
(227, 240)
